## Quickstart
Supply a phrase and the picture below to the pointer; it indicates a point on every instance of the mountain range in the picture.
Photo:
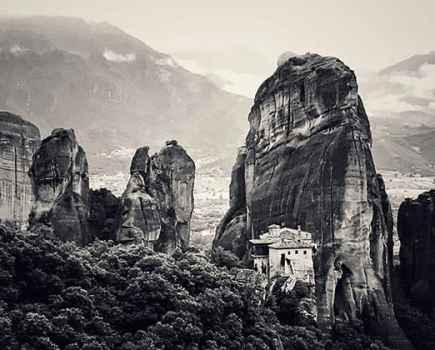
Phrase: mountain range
(118, 94)
(114, 90)
(400, 100)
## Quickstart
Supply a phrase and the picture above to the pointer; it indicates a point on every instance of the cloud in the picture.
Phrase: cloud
(17, 50)
(121, 153)
(113, 56)
(167, 61)
(421, 84)
(401, 92)
(239, 83)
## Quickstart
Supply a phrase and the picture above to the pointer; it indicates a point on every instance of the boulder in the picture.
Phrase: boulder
(60, 186)
(19, 140)
(308, 162)
(157, 205)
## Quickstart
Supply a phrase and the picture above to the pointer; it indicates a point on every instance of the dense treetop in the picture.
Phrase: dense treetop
(56, 295)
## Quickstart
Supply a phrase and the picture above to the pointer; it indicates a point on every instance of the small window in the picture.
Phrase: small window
(296, 252)
(305, 252)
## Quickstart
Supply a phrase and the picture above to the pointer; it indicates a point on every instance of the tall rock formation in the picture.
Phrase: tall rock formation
(416, 228)
(157, 204)
(231, 233)
(19, 140)
(140, 216)
(61, 187)
(308, 162)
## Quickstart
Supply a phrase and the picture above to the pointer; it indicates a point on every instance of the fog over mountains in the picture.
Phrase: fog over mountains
(400, 100)
(119, 94)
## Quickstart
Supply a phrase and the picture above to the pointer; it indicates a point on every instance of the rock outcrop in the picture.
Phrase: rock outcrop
(104, 212)
(60, 185)
(416, 227)
(140, 216)
(157, 204)
(19, 140)
(231, 233)
(308, 162)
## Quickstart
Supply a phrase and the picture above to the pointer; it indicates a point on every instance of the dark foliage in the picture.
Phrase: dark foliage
(104, 213)
(59, 296)
(294, 307)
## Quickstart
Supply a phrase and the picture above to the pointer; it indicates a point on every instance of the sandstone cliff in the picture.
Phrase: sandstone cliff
(61, 187)
(308, 162)
(231, 233)
(416, 225)
(140, 217)
(157, 204)
(19, 140)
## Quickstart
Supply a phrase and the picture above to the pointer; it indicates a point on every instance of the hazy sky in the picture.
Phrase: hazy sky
(241, 40)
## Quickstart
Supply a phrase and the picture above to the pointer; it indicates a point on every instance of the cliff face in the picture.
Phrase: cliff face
(231, 233)
(308, 162)
(157, 204)
(19, 140)
(415, 224)
(140, 217)
(61, 187)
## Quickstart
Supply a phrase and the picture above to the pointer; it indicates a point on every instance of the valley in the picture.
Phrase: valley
(211, 197)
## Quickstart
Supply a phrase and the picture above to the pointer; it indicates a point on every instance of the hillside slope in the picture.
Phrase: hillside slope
(401, 103)
(112, 88)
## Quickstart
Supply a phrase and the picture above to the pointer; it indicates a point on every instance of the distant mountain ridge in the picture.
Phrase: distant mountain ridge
(400, 100)
(112, 88)
(119, 94)
(411, 64)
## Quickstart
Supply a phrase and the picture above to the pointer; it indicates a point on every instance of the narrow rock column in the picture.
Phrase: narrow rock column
(60, 185)
(140, 218)
(157, 205)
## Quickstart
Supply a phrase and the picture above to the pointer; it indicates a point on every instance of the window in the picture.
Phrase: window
(282, 260)
(296, 252)
(305, 252)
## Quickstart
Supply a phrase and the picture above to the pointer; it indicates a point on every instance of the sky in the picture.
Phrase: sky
(237, 42)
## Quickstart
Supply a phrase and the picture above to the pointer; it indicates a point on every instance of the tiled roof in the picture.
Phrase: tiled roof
(286, 244)
(263, 241)
(284, 237)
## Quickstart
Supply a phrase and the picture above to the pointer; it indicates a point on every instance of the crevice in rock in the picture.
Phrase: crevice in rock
(344, 302)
